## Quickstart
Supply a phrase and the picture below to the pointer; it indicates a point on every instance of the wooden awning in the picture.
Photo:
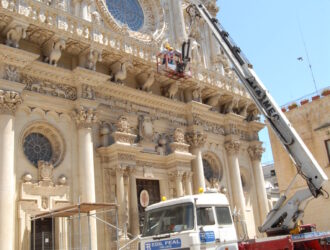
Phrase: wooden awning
(75, 209)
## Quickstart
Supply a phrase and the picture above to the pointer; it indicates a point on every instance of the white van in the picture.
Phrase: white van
(191, 222)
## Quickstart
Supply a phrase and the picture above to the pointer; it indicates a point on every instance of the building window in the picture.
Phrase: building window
(327, 145)
(37, 148)
(127, 12)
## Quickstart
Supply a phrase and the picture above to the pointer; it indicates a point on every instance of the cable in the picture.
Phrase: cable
(307, 55)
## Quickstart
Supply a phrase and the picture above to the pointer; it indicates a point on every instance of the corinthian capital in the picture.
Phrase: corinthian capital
(85, 117)
(196, 139)
(232, 147)
(9, 101)
(255, 152)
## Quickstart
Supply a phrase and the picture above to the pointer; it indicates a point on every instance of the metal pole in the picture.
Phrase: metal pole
(79, 223)
(69, 225)
(117, 231)
(34, 234)
(89, 231)
(53, 233)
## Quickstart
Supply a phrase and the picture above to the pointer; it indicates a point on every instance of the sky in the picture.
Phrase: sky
(273, 34)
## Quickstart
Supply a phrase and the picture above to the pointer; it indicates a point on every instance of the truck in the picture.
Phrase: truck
(203, 221)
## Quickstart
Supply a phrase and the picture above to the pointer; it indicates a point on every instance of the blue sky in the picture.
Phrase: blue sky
(268, 32)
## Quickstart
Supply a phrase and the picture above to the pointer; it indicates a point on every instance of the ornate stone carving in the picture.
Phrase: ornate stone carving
(123, 125)
(256, 152)
(52, 50)
(15, 34)
(146, 130)
(172, 90)
(120, 75)
(179, 147)
(9, 101)
(87, 92)
(45, 171)
(89, 59)
(85, 117)
(62, 180)
(196, 138)
(11, 74)
(27, 178)
(50, 88)
(161, 147)
(213, 100)
(179, 136)
(197, 95)
(146, 86)
(232, 147)
(123, 133)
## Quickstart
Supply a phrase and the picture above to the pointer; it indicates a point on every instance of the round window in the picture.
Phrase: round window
(127, 12)
(37, 148)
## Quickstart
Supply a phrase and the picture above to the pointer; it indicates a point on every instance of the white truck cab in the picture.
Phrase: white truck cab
(192, 222)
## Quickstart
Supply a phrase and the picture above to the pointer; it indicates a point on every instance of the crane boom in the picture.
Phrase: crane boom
(285, 213)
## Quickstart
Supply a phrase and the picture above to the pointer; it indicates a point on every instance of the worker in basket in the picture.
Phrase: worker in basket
(175, 60)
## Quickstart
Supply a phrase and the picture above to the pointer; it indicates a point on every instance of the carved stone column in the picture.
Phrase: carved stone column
(133, 200)
(120, 192)
(76, 6)
(9, 100)
(255, 152)
(232, 148)
(178, 182)
(197, 141)
(84, 9)
(85, 118)
(178, 22)
(188, 187)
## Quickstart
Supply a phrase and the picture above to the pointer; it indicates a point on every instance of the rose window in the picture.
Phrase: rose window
(37, 147)
(127, 12)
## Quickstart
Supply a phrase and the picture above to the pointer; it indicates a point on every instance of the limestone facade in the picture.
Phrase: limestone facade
(85, 116)
(311, 120)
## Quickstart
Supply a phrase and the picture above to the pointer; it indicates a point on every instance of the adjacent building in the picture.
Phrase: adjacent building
(312, 122)
(87, 115)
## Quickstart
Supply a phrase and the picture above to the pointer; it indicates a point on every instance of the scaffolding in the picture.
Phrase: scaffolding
(79, 210)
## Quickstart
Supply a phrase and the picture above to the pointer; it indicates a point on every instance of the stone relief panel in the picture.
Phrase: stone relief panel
(49, 88)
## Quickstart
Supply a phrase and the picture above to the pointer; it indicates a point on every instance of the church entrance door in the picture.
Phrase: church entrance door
(148, 193)
(43, 237)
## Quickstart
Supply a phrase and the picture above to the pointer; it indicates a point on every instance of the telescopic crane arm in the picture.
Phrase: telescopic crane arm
(285, 213)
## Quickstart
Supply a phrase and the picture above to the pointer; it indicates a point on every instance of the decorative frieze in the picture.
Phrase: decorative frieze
(256, 152)
(85, 117)
(49, 88)
(196, 139)
(9, 100)
(232, 146)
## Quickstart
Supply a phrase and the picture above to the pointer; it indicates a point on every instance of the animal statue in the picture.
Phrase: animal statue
(213, 100)
(14, 35)
(172, 90)
(149, 82)
(54, 53)
(92, 58)
(122, 73)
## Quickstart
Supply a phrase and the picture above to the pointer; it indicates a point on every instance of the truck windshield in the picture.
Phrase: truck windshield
(223, 215)
(169, 219)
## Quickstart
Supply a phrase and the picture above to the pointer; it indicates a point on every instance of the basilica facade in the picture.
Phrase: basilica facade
(89, 114)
